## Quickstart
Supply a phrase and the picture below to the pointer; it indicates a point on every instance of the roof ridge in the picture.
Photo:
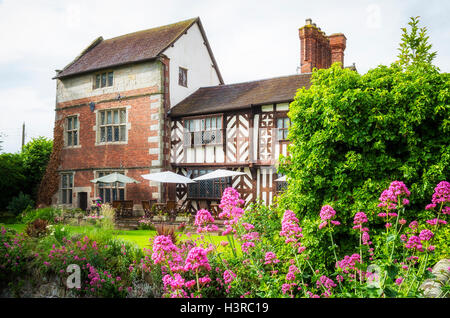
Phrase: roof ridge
(252, 81)
(192, 20)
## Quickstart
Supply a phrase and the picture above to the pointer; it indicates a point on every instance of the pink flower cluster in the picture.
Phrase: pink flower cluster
(441, 195)
(327, 213)
(196, 259)
(204, 221)
(231, 210)
(165, 252)
(416, 242)
(389, 197)
(359, 219)
(291, 230)
(327, 284)
(271, 258)
(249, 240)
(348, 263)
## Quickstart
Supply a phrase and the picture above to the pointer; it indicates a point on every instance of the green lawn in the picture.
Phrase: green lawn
(139, 237)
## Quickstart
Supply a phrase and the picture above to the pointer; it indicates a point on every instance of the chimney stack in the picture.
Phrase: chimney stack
(319, 50)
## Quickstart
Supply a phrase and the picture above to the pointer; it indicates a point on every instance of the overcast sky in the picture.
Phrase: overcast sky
(251, 40)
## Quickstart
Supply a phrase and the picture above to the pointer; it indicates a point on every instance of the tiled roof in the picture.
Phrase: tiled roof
(221, 98)
(134, 47)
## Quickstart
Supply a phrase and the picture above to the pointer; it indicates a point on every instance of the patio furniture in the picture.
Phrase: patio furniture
(147, 207)
(118, 208)
(171, 209)
(127, 208)
(123, 208)
(215, 210)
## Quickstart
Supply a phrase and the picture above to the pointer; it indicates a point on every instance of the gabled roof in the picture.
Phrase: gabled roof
(221, 98)
(131, 48)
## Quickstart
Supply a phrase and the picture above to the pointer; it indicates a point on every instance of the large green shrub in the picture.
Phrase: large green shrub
(20, 203)
(353, 134)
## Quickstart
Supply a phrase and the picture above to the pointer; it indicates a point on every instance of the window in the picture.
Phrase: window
(71, 131)
(283, 127)
(112, 125)
(280, 185)
(182, 77)
(103, 79)
(206, 189)
(110, 191)
(66, 188)
(203, 131)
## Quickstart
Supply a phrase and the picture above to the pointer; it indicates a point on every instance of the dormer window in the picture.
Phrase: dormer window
(103, 79)
(182, 77)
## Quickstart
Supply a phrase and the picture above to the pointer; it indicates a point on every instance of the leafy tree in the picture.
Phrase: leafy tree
(353, 134)
(36, 154)
(12, 179)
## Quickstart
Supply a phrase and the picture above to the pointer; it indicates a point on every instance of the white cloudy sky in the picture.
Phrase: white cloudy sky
(251, 39)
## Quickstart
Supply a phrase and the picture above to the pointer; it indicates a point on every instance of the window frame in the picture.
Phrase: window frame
(104, 122)
(72, 131)
(98, 79)
(216, 194)
(100, 187)
(284, 130)
(202, 129)
(67, 188)
(182, 76)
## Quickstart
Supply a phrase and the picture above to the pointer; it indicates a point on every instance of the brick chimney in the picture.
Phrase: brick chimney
(338, 43)
(317, 50)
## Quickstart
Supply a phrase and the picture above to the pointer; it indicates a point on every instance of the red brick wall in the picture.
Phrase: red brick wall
(133, 157)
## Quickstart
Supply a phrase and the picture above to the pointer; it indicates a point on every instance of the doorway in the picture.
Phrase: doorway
(82, 200)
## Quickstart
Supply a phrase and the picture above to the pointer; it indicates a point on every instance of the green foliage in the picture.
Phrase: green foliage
(48, 214)
(19, 204)
(13, 177)
(353, 134)
(36, 154)
(414, 47)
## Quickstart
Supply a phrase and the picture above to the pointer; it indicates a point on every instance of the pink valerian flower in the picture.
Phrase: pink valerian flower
(228, 276)
(249, 240)
(348, 262)
(441, 193)
(291, 230)
(164, 251)
(270, 258)
(196, 259)
(248, 226)
(175, 282)
(204, 221)
(399, 281)
(326, 215)
(414, 242)
(290, 276)
(327, 212)
(434, 221)
(231, 210)
(359, 219)
(413, 225)
(446, 210)
(425, 235)
(204, 280)
(366, 238)
(389, 197)
(327, 283)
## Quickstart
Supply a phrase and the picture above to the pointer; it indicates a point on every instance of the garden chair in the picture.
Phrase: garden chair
(117, 206)
(127, 208)
(148, 208)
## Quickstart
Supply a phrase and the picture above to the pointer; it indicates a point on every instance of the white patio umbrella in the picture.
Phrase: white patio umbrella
(219, 173)
(167, 177)
(115, 177)
(283, 178)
